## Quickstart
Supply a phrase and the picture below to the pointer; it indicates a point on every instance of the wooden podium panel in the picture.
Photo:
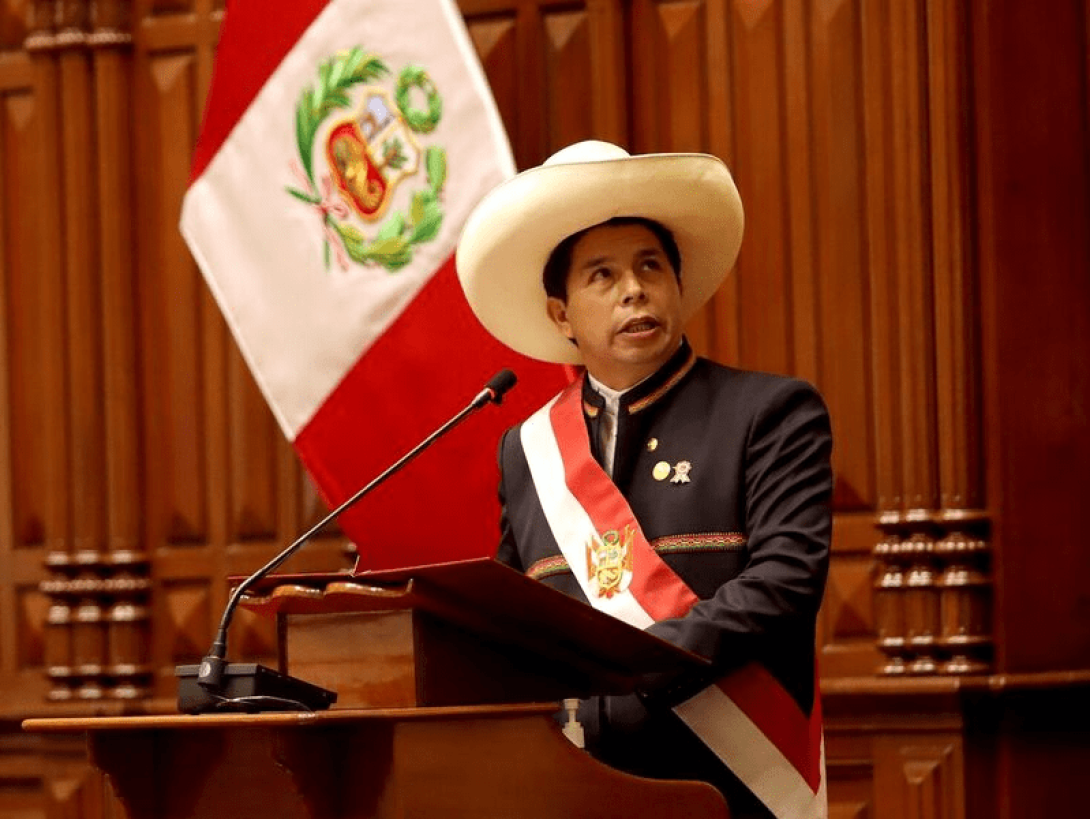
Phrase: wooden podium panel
(463, 633)
(487, 762)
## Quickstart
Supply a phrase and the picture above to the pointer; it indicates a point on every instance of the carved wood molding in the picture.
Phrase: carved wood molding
(933, 593)
(98, 626)
(78, 24)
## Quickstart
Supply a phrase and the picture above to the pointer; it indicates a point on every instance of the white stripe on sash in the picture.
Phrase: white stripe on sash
(724, 727)
(570, 524)
(712, 714)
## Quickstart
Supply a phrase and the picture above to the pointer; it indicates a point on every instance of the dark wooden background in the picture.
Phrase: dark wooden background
(916, 181)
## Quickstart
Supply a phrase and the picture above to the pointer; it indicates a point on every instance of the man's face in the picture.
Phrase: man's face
(624, 304)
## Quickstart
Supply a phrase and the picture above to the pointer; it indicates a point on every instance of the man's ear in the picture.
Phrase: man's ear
(558, 312)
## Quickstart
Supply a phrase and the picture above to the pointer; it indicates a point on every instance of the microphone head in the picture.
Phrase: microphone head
(500, 383)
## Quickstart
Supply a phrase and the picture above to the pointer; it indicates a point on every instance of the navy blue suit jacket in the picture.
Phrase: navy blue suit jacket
(749, 533)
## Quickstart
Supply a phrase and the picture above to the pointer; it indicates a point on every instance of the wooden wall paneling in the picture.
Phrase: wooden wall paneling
(916, 334)
(252, 493)
(77, 568)
(764, 281)
(41, 421)
(608, 63)
(849, 769)
(957, 361)
(14, 23)
(908, 66)
(8, 631)
(182, 344)
(50, 394)
(568, 103)
(670, 68)
(556, 70)
(961, 549)
(111, 39)
(23, 609)
(83, 327)
(496, 39)
(838, 276)
(801, 158)
(1032, 186)
(721, 314)
(846, 624)
(530, 140)
(48, 777)
(171, 302)
(880, 229)
(919, 778)
(1035, 746)
(831, 290)
(127, 609)
(902, 305)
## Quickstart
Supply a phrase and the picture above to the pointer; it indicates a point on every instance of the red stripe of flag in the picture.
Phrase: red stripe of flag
(428, 365)
(255, 36)
(659, 591)
(768, 705)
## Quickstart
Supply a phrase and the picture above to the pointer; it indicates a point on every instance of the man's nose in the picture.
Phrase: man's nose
(632, 289)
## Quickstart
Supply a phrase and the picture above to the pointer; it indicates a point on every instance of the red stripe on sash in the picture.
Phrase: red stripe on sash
(663, 595)
(656, 587)
(778, 716)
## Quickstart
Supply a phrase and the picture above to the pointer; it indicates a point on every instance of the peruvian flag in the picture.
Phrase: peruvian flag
(344, 144)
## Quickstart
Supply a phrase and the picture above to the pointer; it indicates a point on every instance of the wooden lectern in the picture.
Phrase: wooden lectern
(434, 668)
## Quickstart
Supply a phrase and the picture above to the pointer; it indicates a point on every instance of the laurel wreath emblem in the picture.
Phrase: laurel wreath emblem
(392, 246)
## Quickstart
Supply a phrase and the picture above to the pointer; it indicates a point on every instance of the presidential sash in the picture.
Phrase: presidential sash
(747, 718)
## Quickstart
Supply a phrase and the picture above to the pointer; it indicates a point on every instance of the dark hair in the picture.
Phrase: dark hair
(555, 276)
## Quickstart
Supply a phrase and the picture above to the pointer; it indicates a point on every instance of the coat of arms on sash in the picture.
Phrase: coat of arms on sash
(358, 141)
(609, 561)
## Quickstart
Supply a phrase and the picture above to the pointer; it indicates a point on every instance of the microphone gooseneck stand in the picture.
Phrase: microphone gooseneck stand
(209, 686)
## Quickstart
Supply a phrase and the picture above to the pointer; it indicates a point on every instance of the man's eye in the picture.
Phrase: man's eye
(652, 264)
(599, 273)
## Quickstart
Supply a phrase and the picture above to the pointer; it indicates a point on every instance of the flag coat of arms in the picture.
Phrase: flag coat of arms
(344, 143)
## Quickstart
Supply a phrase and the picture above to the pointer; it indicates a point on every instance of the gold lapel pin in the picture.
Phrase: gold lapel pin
(681, 472)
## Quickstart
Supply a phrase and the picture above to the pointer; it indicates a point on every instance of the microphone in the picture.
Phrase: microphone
(495, 389)
(214, 668)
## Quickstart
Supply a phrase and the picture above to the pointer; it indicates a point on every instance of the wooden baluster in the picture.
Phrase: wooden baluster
(889, 605)
(965, 591)
(921, 605)
(128, 629)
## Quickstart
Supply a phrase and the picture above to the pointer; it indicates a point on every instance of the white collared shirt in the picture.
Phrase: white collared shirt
(607, 425)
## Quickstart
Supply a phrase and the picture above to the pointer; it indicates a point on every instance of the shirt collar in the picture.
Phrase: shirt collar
(648, 391)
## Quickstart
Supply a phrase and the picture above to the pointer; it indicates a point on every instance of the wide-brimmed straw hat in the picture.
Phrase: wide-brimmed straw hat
(510, 234)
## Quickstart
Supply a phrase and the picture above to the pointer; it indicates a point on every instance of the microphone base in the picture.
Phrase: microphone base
(249, 688)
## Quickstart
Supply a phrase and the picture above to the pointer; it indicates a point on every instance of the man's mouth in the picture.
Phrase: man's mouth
(641, 324)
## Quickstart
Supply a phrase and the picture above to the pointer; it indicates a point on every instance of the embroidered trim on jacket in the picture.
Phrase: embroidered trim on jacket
(674, 544)
(651, 398)
(708, 542)
(547, 567)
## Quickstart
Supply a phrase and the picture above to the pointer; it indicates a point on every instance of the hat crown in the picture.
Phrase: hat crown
(589, 150)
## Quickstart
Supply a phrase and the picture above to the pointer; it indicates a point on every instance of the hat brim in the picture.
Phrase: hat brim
(509, 236)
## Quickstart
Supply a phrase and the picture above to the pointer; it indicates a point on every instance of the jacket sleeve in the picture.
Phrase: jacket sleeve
(508, 549)
(770, 608)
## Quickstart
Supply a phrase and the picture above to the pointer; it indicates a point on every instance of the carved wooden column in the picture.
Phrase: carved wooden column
(96, 644)
(933, 582)
(42, 43)
(962, 551)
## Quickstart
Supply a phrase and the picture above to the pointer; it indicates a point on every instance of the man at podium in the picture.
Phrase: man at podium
(684, 497)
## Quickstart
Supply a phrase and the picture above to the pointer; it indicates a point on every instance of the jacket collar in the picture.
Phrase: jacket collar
(648, 391)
